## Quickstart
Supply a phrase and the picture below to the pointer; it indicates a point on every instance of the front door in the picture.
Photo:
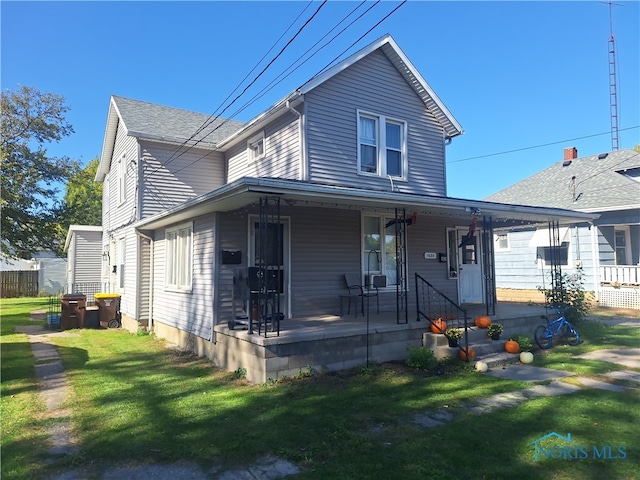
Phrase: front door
(276, 256)
(470, 285)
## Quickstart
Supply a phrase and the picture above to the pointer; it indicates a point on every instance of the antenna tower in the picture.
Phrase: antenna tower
(613, 82)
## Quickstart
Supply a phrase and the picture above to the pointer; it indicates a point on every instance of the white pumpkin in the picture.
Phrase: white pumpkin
(481, 367)
(526, 357)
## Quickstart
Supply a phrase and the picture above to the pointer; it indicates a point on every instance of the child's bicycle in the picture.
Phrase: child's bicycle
(560, 326)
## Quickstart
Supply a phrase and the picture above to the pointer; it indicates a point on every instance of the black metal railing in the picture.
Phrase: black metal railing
(89, 289)
(433, 305)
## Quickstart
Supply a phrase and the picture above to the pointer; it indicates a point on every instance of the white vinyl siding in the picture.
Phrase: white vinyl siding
(179, 261)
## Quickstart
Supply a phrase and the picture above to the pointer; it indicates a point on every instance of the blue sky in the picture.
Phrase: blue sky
(516, 75)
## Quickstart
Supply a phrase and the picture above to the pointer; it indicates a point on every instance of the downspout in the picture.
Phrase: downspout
(595, 262)
(303, 163)
(151, 282)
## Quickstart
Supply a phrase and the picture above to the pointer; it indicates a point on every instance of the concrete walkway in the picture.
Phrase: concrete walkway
(545, 382)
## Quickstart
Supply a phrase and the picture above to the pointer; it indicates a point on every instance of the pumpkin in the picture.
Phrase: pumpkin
(464, 354)
(512, 346)
(482, 321)
(439, 326)
(526, 357)
(481, 367)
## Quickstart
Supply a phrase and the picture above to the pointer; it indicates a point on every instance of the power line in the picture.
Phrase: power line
(213, 117)
(537, 146)
(273, 82)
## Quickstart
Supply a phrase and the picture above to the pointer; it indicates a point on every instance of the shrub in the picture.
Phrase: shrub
(421, 358)
(569, 292)
(525, 343)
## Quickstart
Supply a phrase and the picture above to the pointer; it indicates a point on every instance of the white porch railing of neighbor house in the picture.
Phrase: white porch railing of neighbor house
(620, 275)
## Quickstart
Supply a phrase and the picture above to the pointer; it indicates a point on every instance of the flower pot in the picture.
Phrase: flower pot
(453, 342)
(495, 336)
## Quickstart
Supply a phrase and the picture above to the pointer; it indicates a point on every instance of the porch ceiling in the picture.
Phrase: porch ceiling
(247, 191)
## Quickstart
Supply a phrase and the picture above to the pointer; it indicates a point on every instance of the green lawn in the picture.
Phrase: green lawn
(136, 401)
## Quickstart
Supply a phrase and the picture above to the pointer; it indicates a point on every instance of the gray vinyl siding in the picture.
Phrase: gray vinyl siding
(193, 311)
(282, 153)
(375, 86)
(171, 175)
(85, 254)
(120, 214)
(145, 280)
(518, 267)
(606, 242)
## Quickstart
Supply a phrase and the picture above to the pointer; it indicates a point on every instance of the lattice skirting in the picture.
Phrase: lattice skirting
(620, 297)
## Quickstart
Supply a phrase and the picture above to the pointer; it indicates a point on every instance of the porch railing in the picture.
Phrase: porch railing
(434, 305)
(620, 275)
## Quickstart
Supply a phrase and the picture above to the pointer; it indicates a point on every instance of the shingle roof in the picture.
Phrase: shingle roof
(148, 120)
(600, 184)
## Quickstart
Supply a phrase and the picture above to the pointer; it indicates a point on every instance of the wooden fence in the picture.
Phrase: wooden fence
(21, 283)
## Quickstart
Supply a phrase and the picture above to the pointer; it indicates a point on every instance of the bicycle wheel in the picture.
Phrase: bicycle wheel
(571, 335)
(542, 337)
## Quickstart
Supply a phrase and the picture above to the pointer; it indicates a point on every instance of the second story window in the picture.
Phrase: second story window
(381, 146)
(255, 147)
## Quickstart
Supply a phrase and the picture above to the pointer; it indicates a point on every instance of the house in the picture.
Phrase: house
(233, 239)
(84, 260)
(50, 278)
(607, 251)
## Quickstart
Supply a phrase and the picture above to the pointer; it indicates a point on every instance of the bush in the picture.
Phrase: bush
(525, 343)
(421, 358)
(569, 293)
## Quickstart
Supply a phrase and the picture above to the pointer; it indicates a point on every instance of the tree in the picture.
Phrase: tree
(29, 178)
(82, 203)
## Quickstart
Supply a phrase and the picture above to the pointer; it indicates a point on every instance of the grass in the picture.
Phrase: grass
(135, 401)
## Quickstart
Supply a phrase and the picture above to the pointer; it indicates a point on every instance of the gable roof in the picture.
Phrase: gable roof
(598, 183)
(165, 124)
(397, 57)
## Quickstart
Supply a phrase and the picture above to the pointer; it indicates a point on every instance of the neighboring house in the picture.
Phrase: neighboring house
(324, 183)
(607, 251)
(84, 259)
(52, 270)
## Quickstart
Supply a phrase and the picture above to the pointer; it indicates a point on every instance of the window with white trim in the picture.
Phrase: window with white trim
(255, 147)
(379, 248)
(179, 258)
(501, 242)
(621, 237)
(382, 146)
(122, 179)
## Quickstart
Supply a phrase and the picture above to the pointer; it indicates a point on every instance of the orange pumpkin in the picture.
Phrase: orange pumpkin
(482, 322)
(439, 326)
(467, 355)
(512, 346)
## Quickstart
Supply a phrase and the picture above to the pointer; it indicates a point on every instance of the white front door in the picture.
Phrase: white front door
(470, 285)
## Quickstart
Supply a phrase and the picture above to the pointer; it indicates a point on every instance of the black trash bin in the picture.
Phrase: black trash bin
(109, 309)
(73, 311)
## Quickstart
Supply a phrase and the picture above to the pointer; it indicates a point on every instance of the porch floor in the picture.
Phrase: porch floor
(336, 326)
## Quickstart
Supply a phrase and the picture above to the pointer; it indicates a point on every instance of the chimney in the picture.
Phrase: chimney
(570, 153)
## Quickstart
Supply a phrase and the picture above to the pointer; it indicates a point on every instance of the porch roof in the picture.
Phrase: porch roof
(248, 190)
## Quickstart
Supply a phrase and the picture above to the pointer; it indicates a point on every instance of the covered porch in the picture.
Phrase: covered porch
(333, 343)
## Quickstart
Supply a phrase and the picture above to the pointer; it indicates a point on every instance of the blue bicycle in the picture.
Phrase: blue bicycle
(559, 327)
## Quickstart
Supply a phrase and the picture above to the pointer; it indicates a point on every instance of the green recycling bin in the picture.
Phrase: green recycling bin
(108, 309)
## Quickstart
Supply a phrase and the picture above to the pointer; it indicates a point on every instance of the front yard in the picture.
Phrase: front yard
(137, 402)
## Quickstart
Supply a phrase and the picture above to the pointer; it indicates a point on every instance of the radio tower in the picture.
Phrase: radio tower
(613, 82)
